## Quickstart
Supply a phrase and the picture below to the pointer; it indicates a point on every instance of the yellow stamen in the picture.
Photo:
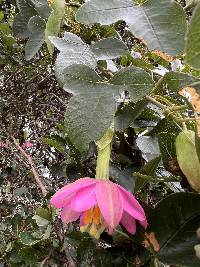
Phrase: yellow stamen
(93, 223)
(88, 217)
(96, 215)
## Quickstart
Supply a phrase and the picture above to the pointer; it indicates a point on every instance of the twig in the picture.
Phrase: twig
(46, 259)
(32, 165)
(155, 102)
(191, 5)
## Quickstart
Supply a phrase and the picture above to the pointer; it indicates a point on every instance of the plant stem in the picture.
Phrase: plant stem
(154, 262)
(155, 102)
(104, 146)
(32, 165)
(178, 108)
(102, 168)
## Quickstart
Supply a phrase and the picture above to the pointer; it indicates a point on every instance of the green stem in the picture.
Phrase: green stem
(102, 168)
(104, 146)
(154, 262)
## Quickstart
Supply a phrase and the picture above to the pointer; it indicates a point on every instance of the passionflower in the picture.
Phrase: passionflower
(100, 204)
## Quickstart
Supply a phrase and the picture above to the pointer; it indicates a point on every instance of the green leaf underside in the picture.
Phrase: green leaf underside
(109, 48)
(30, 23)
(73, 51)
(160, 24)
(33, 44)
(92, 108)
(193, 40)
(89, 115)
(20, 25)
(176, 231)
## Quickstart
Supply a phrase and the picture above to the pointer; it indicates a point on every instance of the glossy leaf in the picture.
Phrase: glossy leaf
(176, 232)
(146, 173)
(126, 117)
(148, 146)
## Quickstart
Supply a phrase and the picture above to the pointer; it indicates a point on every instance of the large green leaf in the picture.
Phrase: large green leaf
(109, 48)
(92, 108)
(160, 24)
(174, 222)
(54, 22)
(193, 40)
(72, 51)
(135, 80)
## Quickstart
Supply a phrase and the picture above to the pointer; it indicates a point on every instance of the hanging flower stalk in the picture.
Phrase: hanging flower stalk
(99, 203)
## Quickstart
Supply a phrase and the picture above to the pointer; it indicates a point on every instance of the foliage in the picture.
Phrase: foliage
(68, 72)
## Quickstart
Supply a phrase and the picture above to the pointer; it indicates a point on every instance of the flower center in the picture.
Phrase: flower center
(93, 222)
(92, 216)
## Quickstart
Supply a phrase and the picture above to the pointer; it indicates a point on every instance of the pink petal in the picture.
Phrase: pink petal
(82, 223)
(129, 223)
(68, 215)
(131, 205)
(84, 199)
(144, 224)
(109, 202)
(62, 197)
(27, 145)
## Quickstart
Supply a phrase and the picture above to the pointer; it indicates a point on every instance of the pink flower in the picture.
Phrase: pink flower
(27, 145)
(99, 203)
(3, 145)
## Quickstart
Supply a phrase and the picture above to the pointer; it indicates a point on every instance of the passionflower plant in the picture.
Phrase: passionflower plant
(99, 204)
